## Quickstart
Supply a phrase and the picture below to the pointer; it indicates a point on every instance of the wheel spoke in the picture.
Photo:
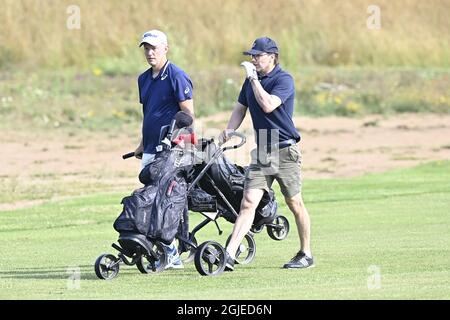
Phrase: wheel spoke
(210, 267)
(211, 250)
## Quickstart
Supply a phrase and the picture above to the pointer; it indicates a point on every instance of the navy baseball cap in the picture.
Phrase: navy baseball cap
(262, 45)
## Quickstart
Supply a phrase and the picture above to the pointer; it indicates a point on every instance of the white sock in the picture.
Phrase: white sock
(231, 255)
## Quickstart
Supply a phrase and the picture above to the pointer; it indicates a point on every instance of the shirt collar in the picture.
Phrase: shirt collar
(162, 73)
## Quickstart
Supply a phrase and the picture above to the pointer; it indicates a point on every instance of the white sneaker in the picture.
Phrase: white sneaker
(173, 258)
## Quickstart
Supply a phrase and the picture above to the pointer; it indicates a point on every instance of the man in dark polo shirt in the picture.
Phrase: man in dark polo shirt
(164, 89)
(268, 92)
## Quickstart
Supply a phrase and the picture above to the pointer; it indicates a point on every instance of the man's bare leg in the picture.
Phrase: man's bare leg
(302, 221)
(244, 221)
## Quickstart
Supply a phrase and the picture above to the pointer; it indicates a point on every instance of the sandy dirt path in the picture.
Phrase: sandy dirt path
(331, 147)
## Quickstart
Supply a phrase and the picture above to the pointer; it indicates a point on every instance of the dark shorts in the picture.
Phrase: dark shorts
(282, 165)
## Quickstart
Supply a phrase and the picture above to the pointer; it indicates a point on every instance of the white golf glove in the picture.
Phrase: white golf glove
(250, 70)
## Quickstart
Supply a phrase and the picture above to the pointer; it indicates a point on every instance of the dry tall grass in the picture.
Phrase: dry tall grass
(203, 33)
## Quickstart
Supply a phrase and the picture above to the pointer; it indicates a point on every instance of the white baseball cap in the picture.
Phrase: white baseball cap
(154, 37)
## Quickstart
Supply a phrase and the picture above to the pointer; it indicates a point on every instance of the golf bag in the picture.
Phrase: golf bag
(229, 179)
(159, 209)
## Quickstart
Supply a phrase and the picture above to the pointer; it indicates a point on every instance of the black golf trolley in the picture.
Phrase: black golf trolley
(150, 254)
(216, 192)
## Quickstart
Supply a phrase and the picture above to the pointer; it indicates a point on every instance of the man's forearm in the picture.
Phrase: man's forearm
(139, 150)
(187, 106)
(264, 99)
(237, 117)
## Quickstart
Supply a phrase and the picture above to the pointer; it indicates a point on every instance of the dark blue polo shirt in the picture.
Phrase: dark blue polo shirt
(159, 98)
(281, 84)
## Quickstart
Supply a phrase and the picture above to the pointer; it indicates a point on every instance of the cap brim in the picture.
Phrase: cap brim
(252, 52)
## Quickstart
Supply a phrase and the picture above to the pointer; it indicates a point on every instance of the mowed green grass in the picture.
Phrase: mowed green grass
(380, 236)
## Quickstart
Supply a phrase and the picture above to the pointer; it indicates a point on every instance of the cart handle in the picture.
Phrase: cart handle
(240, 144)
(129, 155)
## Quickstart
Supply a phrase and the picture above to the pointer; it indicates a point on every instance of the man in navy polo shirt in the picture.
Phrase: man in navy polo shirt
(164, 89)
(268, 92)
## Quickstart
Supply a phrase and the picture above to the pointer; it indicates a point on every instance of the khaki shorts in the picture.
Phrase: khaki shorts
(282, 165)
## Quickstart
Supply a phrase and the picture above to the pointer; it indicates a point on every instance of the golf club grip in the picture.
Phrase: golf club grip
(128, 155)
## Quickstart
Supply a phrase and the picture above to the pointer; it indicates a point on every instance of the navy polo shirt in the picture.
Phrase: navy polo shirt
(159, 98)
(281, 84)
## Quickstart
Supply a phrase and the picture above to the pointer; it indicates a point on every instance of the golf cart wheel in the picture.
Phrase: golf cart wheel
(280, 228)
(190, 250)
(149, 264)
(107, 266)
(257, 229)
(246, 250)
(209, 258)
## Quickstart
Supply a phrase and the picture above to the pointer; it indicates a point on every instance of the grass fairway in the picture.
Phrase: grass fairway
(380, 236)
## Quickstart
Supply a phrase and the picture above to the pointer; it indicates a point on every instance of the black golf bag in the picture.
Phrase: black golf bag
(159, 209)
(224, 182)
